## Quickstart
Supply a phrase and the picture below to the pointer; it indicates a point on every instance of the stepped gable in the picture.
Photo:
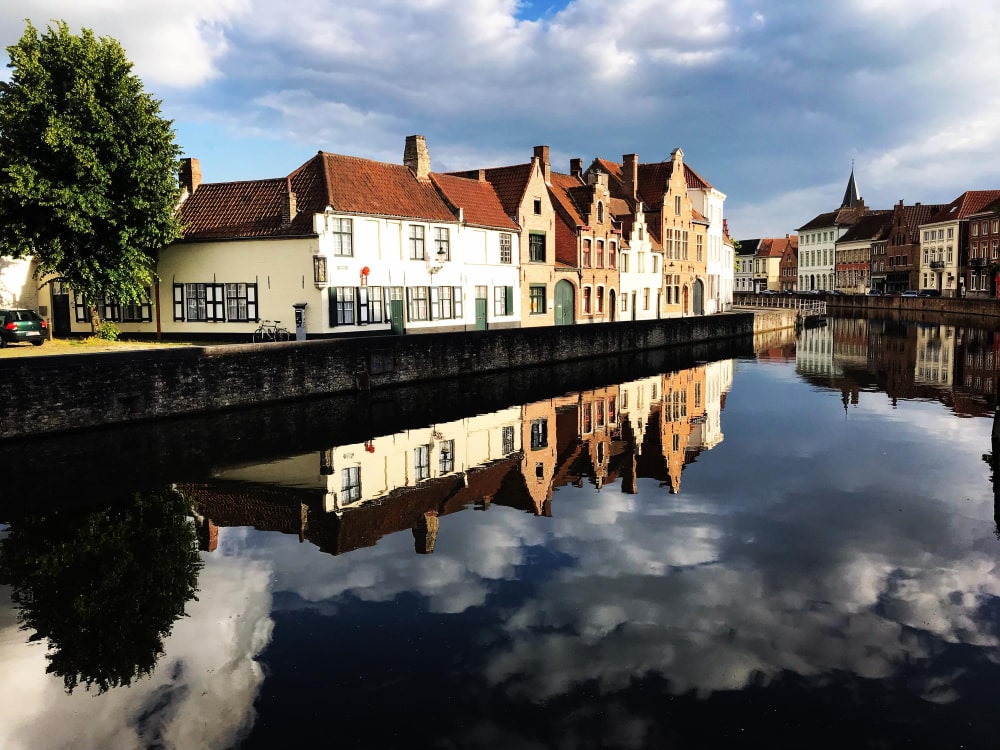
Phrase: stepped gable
(477, 199)
(652, 180)
(224, 210)
(872, 226)
(968, 203)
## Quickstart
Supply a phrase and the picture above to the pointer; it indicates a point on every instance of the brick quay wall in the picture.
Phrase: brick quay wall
(45, 395)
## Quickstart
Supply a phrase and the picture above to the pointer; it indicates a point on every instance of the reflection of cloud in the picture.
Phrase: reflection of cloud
(200, 695)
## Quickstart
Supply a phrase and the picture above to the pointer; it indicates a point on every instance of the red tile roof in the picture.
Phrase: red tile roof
(508, 182)
(235, 209)
(348, 184)
(561, 190)
(968, 203)
(612, 168)
(477, 199)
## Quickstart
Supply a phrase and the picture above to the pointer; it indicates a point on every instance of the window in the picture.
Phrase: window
(342, 300)
(507, 440)
(319, 269)
(536, 299)
(369, 304)
(503, 300)
(536, 248)
(612, 251)
(446, 456)
(505, 251)
(600, 299)
(539, 433)
(698, 246)
(940, 234)
(537, 206)
(586, 254)
(624, 303)
(416, 303)
(684, 245)
(241, 301)
(350, 484)
(586, 300)
(416, 242)
(600, 212)
(600, 253)
(975, 229)
(421, 462)
(645, 298)
(587, 416)
(625, 262)
(200, 302)
(656, 263)
(341, 233)
(442, 244)
(677, 205)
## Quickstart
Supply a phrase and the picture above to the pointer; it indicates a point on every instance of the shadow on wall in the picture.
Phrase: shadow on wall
(17, 285)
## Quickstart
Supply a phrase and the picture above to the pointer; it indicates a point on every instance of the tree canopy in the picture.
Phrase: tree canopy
(87, 166)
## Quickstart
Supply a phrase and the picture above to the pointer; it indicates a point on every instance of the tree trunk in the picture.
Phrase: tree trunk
(95, 320)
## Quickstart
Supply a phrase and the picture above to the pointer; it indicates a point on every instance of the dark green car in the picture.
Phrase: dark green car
(22, 325)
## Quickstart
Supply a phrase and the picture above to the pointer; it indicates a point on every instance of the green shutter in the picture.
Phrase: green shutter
(509, 307)
(332, 296)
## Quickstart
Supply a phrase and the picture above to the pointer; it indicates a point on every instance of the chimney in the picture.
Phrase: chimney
(190, 176)
(630, 174)
(416, 158)
(288, 208)
(542, 154)
(482, 175)
(576, 167)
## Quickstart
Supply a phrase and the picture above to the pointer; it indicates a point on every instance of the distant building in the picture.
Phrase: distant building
(818, 237)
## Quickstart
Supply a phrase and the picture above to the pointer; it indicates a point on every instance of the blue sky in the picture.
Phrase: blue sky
(769, 100)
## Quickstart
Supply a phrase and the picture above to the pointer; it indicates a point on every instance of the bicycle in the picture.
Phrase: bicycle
(269, 330)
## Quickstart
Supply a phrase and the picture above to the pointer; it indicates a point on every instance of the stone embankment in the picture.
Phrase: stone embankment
(45, 395)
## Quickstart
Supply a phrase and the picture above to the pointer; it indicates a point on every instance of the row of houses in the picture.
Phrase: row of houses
(949, 249)
(348, 496)
(344, 245)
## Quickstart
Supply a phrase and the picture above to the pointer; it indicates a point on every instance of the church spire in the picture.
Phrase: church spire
(851, 198)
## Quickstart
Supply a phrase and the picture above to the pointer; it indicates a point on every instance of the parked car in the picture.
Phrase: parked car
(910, 293)
(874, 293)
(929, 293)
(837, 292)
(22, 325)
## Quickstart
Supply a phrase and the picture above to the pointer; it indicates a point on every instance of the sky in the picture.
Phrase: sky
(771, 101)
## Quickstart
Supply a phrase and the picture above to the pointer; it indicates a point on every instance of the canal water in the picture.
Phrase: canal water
(789, 547)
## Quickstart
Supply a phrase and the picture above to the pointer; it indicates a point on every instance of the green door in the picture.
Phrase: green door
(699, 298)
(565, 304)
(480, 314)
(396, 315)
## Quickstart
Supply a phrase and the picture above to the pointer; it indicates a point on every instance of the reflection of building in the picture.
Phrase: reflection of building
(935, 355)
(352, 495)
(814, 352)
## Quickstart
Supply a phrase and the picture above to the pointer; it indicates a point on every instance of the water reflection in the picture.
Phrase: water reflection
(103, 587)
(606, 567)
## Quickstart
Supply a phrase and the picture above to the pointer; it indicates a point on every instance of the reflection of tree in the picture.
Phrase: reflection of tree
(104, 587)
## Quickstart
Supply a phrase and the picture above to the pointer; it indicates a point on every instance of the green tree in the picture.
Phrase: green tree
(103, 587)
(87, 166)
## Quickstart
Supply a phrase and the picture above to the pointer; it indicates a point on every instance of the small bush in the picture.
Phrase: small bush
(107, 331)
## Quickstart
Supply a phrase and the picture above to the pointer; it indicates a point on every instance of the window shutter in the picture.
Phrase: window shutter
(509, 308)
(178, 302)
(363, 314)
(435, 303)
(109, 310)
(458, 301)
(409, 303)
(80, 304)
(217, 311)
(252, 302)
(332, 296)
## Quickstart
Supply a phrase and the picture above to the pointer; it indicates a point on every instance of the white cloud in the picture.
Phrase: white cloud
(175, 43)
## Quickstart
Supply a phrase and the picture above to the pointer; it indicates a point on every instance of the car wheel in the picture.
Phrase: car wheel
(37, 343)
(3, 342)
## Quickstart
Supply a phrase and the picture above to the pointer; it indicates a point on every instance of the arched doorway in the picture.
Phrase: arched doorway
(612, 306)
(565, 303)
(699, 297)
